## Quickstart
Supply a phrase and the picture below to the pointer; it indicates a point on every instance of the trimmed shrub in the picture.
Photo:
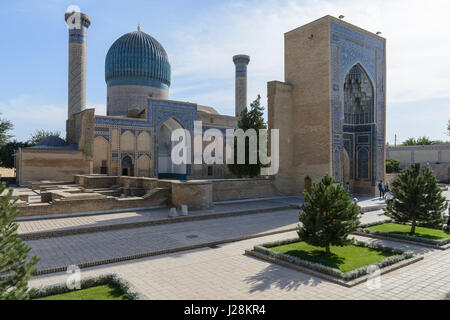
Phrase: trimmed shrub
(400, 255)
(105, 279)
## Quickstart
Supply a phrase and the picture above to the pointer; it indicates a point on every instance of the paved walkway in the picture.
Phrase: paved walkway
(226, 273)
(55, 252)
(64, 222)
(29, 225)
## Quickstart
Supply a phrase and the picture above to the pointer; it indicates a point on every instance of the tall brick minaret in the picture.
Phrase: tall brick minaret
(241, 61)
(77, 23)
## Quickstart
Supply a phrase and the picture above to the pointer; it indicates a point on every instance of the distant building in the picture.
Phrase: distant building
(436, 157)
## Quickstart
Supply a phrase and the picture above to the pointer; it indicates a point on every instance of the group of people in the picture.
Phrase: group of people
(385, 191)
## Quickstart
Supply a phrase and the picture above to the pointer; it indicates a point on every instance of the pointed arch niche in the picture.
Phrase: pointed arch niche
(358, 125)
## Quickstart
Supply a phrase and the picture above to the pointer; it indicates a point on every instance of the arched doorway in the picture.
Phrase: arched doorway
(308, 184)
(359, 130)
(166, 168)
(127, 166)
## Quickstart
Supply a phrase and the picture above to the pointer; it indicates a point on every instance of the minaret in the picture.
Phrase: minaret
(241, 61)
(77, 23)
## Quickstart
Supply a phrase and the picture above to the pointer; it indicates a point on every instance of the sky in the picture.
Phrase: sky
(201, 36)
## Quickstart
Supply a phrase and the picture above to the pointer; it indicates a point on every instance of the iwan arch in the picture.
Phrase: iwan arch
(331, 108)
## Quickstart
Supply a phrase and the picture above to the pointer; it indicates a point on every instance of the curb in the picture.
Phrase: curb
(330, 278)
(416, 243)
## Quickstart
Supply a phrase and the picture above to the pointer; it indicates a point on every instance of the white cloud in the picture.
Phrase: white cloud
(417, 35)
(29, 114)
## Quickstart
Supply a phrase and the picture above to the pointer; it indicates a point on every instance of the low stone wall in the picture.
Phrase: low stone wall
(96, 181)
(437, 157)
(196, 194)
(40, 164)
(239, 189)
(59, 206)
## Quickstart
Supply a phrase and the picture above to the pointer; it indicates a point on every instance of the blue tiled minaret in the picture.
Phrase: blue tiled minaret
(77, 23)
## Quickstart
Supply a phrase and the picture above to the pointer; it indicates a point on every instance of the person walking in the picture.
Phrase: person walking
(347, 187)
(387, 187)
(381, 188)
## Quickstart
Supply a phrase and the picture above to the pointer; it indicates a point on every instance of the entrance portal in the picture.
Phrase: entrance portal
(166, 168)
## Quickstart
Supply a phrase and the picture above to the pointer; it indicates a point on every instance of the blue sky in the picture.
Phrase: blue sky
(200, 38)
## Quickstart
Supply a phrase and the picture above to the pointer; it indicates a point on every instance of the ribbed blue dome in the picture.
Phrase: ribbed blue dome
(136, 58)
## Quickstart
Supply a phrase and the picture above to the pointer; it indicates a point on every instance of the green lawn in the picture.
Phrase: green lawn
(105, 292)
(346, 258)
(404, 229)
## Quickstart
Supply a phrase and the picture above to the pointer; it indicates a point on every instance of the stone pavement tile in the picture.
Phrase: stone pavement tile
(94, 220)
(225, 273)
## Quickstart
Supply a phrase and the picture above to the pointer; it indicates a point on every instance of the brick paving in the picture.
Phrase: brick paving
(226, 273)
(42, 223)
(62, 251)
(45, 224)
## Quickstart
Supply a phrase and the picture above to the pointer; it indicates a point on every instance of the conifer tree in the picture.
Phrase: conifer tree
(15, 269)
(328, 216)
(417, 198)
(249, 119)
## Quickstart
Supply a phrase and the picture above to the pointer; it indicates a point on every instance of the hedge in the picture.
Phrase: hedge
(399, 256)
(111, 278)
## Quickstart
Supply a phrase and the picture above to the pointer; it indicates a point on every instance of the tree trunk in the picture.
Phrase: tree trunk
(327, 249)
(413, 227)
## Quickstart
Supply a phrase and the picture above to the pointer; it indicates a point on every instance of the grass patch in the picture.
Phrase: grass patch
(104, 292)
(403, 229)
(346, 258)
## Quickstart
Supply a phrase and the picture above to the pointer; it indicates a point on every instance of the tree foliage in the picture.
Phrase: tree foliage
(15, 268)
(417, 198)
(421, 141)
(8, 150)
(392, 166)
(40, 135)
(5, 126)
(249, 119)
(328, 216)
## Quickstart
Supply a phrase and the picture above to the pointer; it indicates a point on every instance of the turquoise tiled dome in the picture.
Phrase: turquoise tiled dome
(136, 58)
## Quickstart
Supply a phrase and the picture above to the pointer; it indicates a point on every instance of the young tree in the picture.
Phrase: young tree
(8, 150)
(40, 135)
(421, 141)
(417, 198)
(327, 216)
(392, 166)
(249, 119)
(5, 126)
(15, 269)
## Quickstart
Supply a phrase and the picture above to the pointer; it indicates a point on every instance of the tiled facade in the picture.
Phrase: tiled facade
(350, 48)
(330, 109)
(157, 113)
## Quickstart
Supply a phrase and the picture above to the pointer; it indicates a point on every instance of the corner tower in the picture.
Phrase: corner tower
(241, 61)
(77, 23)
